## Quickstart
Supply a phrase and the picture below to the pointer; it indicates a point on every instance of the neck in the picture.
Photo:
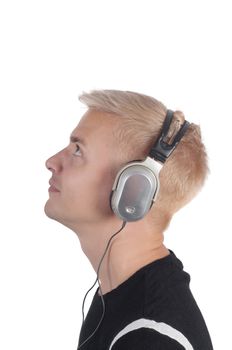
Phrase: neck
(132, 248)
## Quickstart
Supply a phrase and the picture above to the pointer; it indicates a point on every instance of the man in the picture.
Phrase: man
(143, 300)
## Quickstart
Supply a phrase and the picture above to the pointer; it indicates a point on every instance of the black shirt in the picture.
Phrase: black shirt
(153, 309)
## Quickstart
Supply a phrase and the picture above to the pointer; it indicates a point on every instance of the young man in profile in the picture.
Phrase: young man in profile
(143, 300)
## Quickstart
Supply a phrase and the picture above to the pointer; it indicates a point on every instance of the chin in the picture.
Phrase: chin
(49, 211)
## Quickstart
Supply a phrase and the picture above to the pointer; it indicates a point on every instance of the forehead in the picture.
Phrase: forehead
(96, 127)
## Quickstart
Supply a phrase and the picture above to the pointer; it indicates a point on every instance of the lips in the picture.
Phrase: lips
(53, 187)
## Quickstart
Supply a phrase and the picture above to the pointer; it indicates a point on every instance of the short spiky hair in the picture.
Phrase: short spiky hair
(141, 119)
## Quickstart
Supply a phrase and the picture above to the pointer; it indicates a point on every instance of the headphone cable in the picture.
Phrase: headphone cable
(97, 279)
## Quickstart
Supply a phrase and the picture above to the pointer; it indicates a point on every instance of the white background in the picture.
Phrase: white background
(177, 51)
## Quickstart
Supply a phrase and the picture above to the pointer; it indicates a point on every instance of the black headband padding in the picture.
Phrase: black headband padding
(162, 150)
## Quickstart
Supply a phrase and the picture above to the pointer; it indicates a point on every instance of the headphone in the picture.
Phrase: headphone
(135, 189)
(136, 185)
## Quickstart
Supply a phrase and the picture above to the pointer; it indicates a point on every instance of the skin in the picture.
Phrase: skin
(84, 177)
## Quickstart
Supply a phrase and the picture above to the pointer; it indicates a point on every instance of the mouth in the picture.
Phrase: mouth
(52, 189)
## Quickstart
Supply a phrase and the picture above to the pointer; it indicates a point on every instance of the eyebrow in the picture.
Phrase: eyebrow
(74, 139)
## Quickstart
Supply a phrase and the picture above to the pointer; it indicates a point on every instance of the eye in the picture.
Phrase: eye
(77, 149)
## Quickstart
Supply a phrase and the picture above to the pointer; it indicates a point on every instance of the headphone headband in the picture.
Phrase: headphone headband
(161, 150)
(137, 184)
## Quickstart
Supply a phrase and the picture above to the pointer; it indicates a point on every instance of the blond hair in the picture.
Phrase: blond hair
(141, 120)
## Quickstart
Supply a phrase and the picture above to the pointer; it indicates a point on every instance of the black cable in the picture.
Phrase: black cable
(97, 279)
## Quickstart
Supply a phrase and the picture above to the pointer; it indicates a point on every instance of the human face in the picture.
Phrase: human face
(84, 173)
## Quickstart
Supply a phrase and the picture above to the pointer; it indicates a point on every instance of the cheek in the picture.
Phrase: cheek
(105, 185)
(102, 183)
(93, 185)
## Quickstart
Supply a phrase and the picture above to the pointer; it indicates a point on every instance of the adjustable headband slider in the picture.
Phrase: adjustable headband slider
(161, 150)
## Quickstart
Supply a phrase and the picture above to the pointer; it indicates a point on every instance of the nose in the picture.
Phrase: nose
(53, 163)
(49, 164)
(56, 162)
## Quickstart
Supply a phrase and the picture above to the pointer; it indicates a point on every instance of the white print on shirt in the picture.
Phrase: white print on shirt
(160, 327)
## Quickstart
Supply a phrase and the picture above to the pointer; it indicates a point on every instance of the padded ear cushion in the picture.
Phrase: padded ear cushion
(111, 195)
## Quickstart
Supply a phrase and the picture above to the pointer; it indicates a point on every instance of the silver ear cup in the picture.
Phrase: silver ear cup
(134, 190)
